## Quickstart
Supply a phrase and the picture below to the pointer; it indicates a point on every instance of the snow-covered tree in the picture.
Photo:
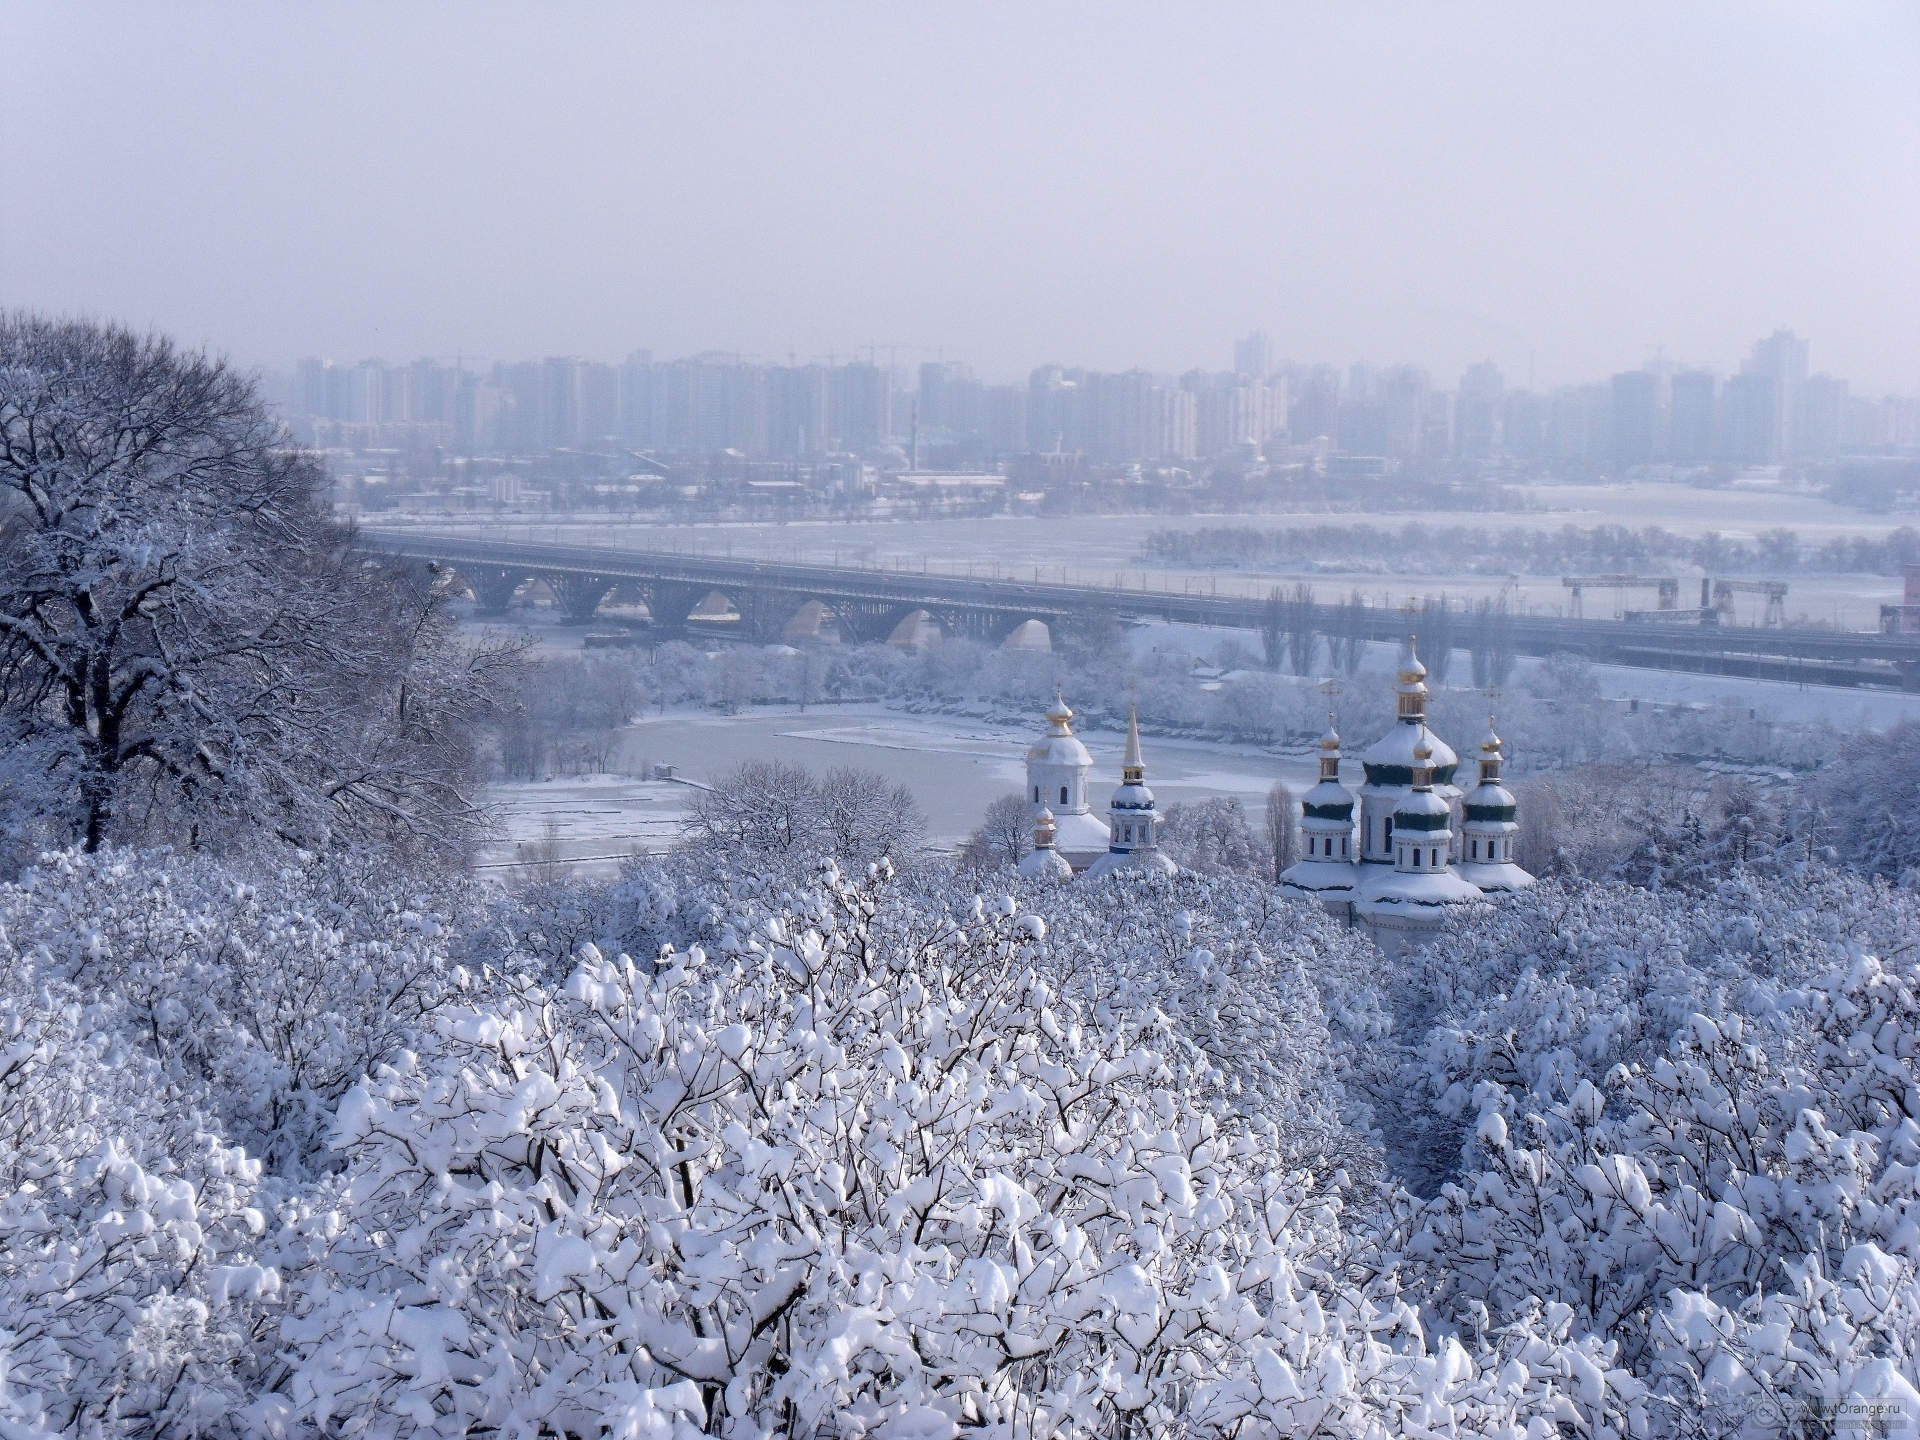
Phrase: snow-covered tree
(189, 646)
(1213, 835)
(1005, 834)
(1692, 1119)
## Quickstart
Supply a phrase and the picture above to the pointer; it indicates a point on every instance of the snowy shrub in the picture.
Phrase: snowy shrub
(1694, 1122)
(132, 1299)
(828, 1180)
(263, 998)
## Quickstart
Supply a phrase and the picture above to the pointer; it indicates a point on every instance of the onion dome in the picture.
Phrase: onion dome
(1420, 808)
(1412, 689)
(1488, 828)
(1044, 862)
(1059, 746)
(1490, 801)
(1390, 760)
(1329, 799)
(1043, 829)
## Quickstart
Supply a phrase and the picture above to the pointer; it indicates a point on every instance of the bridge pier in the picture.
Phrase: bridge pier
(493, 589)
(765, 614)
(579, 596)
(669, 604)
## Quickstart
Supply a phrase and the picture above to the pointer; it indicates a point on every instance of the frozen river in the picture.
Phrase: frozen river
(954, 766)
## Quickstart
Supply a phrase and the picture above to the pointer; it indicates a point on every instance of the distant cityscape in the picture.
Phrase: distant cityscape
(566, 431)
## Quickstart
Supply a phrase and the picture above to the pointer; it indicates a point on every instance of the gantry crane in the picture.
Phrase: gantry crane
(1774, 590)
(1667, 587)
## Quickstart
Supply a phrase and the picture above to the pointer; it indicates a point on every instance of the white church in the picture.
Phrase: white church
(1421, 845)
(1068, 837)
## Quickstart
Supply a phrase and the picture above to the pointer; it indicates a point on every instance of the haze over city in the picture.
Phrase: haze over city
(1565, 193)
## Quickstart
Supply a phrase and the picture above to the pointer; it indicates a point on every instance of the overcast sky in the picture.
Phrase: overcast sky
(1566, 186)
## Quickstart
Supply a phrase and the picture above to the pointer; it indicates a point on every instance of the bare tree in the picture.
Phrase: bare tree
(1348, 638)
(761, 807)
(1436, 626)
(866, 816)
(1273, 627)
(1301, 640)
(765, 808)
(1005, 835)
(1492, 643)
(1287, 627)
(1212, 836)
(540, 861)
(189, 645)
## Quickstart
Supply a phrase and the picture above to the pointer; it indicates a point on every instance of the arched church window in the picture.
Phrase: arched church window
(1063, 794)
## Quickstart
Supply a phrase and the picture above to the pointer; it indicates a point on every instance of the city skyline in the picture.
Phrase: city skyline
(1773, 409)
(1562, 192)
(1227, 359)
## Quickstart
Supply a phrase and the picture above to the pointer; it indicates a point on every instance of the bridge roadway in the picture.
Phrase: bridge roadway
(869, 604)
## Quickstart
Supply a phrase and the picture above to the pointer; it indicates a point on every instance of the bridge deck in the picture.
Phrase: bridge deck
(1809, 656)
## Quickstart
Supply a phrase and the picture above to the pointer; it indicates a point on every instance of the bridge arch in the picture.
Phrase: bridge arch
(493, 587)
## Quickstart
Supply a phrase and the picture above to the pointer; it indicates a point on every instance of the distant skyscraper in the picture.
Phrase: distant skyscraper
(1751, 419)
(1823, 417)
(1005, 410)
(859, 406)
(1523, 425)
(1476, 412)
(1253, 356)
(1404, 394)
(1692, 417)
(1314, 410)
(1635, 418)
(1578, 425)
(1780, 360)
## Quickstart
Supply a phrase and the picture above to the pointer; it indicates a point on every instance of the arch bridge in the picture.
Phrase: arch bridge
(870, 604)
(866, 606)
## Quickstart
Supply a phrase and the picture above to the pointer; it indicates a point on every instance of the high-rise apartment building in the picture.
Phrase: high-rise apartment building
(1750, 422)
(1635, 418)
(1692, 417)
(1253, 356)
(1823, 417)
(1476, 412)
(1313, 409)
(1780, 362)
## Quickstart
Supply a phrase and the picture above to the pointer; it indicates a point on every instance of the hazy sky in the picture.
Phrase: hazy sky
(1104, 185)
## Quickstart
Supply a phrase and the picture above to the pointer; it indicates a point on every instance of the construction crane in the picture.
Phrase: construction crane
(1774, 590)
(1667, 587)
